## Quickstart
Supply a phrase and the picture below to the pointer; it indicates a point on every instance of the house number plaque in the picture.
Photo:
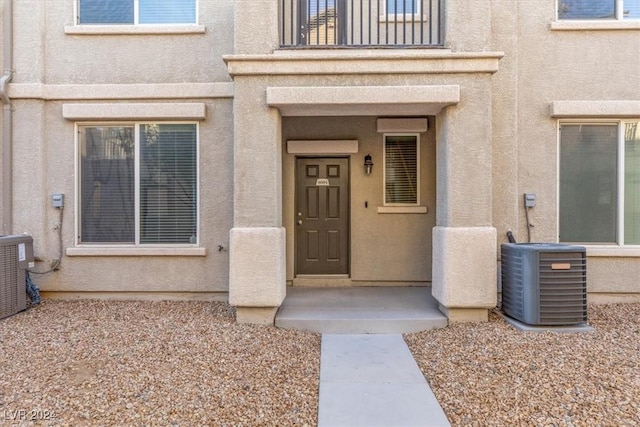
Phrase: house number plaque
(322, 182)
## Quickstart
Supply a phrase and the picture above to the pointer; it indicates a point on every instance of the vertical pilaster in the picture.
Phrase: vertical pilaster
(257, 270)
(464, 242)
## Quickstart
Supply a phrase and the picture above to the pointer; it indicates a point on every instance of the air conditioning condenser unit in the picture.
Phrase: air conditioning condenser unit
(16, 253)
(544, 283)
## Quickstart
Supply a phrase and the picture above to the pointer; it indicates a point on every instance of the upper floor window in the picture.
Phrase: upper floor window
(401, 174)
(598, 9)
(138, 183)
(600, 183)
(136, 11)
(402, 7)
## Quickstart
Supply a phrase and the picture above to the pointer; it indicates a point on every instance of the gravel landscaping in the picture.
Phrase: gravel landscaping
(75, 363)
(491, 374)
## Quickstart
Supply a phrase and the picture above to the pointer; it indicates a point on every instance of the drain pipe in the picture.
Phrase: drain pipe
(7, 120)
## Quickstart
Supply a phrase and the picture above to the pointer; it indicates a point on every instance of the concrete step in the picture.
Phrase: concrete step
(360, 310)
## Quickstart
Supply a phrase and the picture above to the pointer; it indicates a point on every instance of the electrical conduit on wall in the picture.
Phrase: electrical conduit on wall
(7, 154)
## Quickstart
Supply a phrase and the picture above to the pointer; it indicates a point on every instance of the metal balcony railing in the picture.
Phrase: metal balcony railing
(360, 23)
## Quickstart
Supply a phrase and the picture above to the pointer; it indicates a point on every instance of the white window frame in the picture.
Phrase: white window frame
(386, 16)
(620, 190)
(136, 18)
(384, 169)
(618, 10)
(78, 199)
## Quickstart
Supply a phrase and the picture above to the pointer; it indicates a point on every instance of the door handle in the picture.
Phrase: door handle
(299, 222)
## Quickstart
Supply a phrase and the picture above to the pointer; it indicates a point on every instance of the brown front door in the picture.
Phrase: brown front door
(322, 216)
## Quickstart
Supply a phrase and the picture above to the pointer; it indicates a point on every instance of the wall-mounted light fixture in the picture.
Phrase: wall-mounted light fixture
(368, 164)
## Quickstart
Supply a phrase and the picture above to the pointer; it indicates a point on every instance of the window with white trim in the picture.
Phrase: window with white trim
(401, 170)
(402, 7)
(599, 199)
(138, 183)
(598, 9)
(136, 12)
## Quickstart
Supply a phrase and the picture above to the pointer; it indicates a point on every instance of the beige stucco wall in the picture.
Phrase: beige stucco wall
(541, 65)
(384, 247)
(46, 52)
(498, 142)
(45, 153)
(57, 65)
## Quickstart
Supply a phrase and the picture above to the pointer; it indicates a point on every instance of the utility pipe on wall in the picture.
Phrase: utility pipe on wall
(7, 121)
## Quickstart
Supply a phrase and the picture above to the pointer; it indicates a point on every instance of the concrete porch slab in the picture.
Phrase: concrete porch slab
(360, 310)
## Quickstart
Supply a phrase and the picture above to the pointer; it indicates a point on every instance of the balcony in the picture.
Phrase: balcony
(360, 23)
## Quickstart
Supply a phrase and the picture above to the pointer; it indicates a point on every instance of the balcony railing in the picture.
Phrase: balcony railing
(360, 23)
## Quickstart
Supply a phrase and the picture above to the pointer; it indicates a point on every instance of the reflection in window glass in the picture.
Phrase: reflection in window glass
(147, 11)
(401, 169)
(588, 183)
(402, 6)
(586, 9)
(106, 12)
(138, 184)
(631, 9)
(632, 184)
(167, 11)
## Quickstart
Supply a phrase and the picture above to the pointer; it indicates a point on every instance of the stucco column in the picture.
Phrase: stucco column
(256, 26)
(257, 275)
(257, 271)
(464, 241)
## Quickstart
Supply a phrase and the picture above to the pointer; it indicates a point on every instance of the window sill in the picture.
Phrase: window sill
(595, 25)
(612, 251)
(409, 17)
(403, 210)
(90, 30)
(139, 251)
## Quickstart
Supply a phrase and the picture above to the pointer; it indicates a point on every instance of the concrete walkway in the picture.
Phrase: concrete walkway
(373, 380)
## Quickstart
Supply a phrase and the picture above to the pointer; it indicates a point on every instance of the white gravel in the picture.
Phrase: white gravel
(75, 363)
(490, 374)
(117, 363)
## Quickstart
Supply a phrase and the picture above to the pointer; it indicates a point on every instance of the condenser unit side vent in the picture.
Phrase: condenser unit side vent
(544, 283)
(16, 252)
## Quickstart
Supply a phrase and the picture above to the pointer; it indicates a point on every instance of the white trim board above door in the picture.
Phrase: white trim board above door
(325, 146)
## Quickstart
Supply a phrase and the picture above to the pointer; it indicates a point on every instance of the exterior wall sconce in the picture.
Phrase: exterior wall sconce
(368, 164)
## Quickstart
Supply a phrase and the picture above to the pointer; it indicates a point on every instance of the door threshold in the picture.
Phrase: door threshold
(322, 276)
(321, 280)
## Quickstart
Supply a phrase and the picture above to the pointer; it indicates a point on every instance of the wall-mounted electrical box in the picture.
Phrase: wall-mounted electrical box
(529, 200)
(57, 200)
